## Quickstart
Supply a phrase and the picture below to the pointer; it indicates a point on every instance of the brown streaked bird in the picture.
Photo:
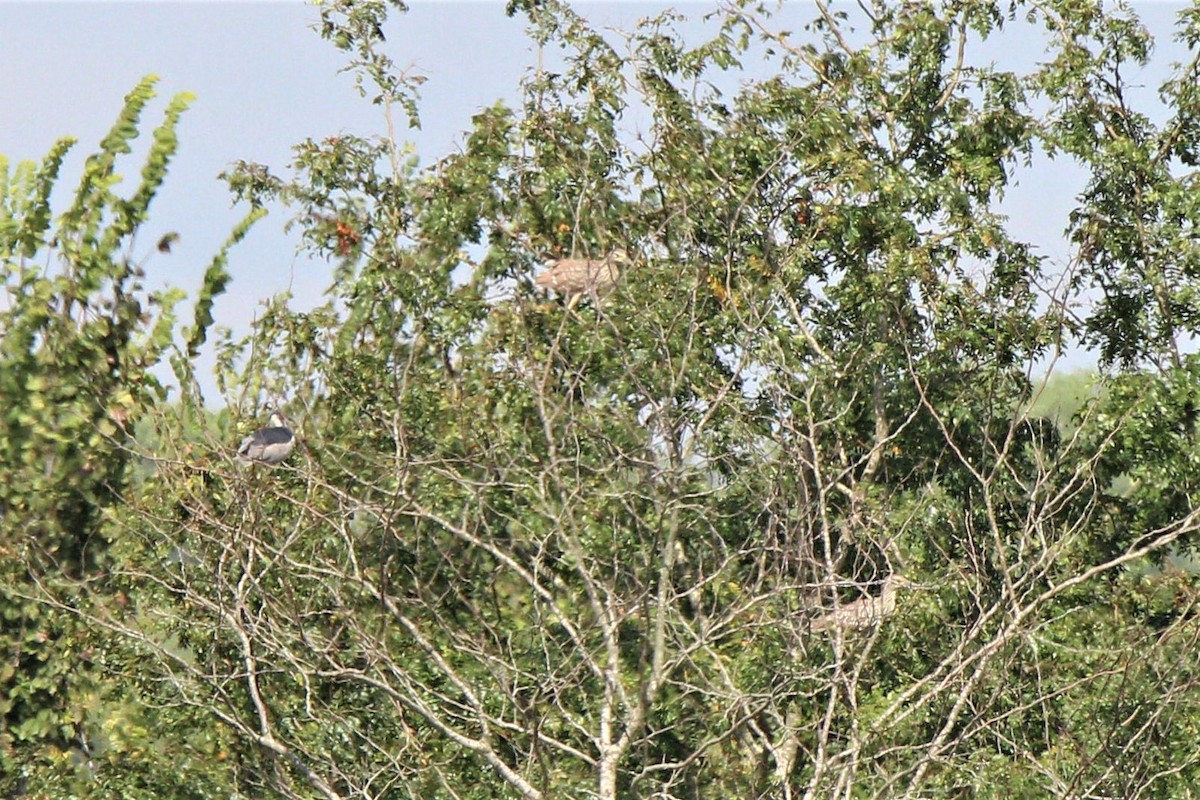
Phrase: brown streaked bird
(866, 611)
(572, 277)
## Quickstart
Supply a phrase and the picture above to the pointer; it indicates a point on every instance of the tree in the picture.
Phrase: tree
(81, 338)
(590, 549)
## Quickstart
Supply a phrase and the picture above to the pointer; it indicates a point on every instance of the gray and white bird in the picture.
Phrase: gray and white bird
(270, 445)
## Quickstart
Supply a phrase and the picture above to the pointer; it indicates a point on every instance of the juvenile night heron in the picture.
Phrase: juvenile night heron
(269, 445)
(574, 277)
(866, 611)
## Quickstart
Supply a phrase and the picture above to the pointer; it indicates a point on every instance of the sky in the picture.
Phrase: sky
(265, 81)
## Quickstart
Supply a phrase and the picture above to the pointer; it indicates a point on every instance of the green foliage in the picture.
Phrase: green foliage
(636, 543)
(81, 338)
(216, 278)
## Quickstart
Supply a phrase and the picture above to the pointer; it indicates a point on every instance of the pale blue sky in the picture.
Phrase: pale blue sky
(264, 81)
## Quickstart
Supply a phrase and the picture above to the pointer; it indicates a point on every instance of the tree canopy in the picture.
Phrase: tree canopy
(769, 512)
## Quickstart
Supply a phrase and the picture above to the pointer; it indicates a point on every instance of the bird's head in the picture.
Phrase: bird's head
(278, 420)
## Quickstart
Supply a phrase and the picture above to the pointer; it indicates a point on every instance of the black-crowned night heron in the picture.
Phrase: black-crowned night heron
(574, 277)
(866, 611)
(269, 445)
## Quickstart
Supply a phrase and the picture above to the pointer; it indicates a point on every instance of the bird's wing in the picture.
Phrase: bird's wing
(273, 435)
(247, 443)
(254, 445)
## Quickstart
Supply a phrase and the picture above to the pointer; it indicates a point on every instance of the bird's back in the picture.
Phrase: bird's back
(269, 445)
(577, 275)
